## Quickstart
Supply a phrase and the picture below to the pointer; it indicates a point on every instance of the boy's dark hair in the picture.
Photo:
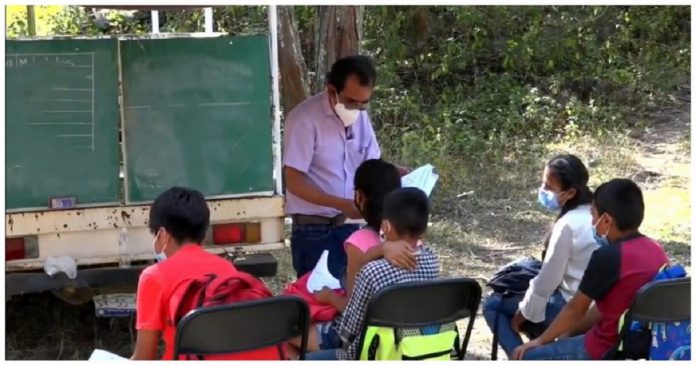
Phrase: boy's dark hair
(375, 179)
(360, 66)
(408, 211)
(623, 201)
(183, 213)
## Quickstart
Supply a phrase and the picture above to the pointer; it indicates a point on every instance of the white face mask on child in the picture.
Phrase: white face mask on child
(386, 229)
(161, 256)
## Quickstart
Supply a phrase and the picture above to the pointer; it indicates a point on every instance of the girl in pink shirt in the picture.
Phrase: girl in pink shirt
(374, 179)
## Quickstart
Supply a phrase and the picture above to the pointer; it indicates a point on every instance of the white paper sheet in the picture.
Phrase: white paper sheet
(101, 355)
(321, 276)
(423, 178)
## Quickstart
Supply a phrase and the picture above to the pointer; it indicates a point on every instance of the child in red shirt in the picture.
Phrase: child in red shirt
(179, 219)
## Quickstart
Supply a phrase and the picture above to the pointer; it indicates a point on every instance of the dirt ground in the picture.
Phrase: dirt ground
(473, 236)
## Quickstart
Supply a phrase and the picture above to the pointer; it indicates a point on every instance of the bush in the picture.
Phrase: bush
(464, 86)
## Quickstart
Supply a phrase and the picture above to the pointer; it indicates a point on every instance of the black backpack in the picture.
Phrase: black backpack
(513, 278)
(510, 280)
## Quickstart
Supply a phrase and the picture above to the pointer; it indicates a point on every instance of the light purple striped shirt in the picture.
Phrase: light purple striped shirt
(317, 143)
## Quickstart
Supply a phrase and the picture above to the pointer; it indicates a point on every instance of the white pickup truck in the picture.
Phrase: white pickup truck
(97, 251)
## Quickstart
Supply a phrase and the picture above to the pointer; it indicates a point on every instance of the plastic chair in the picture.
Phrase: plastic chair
(242, 327)
(425, 303)
(658, 301)
(529, 329)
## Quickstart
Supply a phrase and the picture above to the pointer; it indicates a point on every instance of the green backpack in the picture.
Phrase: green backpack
(433, 343)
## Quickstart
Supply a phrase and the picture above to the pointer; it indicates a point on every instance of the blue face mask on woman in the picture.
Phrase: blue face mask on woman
(549, 200)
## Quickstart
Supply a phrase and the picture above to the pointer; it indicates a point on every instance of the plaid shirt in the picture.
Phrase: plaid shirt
(372, 278)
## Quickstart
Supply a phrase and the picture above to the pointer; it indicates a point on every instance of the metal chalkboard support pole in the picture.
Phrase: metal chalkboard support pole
(154, 15)
(277, 162)
(208, 20)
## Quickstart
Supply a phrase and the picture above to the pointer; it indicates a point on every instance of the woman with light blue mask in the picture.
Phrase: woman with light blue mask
(568, 248)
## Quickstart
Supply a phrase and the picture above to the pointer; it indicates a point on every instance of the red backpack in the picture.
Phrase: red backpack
(210, 291)
(318, 311)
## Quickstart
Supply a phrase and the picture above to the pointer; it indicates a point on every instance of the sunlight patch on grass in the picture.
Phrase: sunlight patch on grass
(606, 157)
(668, 214)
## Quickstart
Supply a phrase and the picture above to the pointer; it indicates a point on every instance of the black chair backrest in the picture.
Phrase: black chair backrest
(663, 301)
(658, 301)
(425, 303)
(242, 327)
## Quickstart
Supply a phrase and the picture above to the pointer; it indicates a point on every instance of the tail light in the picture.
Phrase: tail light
(233, 233)
(224, 234)
(21, 248)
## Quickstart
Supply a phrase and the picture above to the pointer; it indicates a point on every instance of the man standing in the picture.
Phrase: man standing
(326, 138)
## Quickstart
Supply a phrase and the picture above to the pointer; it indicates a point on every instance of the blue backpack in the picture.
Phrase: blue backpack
(660, 340)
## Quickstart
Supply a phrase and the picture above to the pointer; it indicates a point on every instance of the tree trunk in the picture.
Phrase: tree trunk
(338, 34)
(294, 86)
(31, 21)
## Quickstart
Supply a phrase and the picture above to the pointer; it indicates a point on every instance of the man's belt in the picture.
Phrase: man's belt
(302, 220)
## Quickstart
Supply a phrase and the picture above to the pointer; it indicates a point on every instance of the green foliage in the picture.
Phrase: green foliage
(466, 87)
(78, 21)
(237, 20)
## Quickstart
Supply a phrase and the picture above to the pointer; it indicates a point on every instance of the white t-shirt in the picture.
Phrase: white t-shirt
(567, 256)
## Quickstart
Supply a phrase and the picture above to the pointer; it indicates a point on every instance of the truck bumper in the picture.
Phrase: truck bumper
(261, 265)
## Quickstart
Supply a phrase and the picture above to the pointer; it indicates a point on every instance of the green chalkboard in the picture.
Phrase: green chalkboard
(197, 113)
(61, 122)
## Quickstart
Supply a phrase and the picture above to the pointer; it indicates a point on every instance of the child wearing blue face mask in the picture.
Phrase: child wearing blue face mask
(568, 247)
(624, 263)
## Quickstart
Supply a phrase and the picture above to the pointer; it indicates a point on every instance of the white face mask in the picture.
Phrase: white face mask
(347, 116)
(161, 256)
(386, 228)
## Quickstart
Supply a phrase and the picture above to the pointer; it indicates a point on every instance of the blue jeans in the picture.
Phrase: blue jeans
(343, 278)
(327, 335)
(506, 308)
(322, 355)
(567, 349)
(310, 240)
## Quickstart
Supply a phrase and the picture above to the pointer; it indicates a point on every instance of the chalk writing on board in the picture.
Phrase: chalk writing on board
(70, 115)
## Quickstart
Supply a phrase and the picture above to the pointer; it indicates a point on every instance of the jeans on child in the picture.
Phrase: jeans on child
(343, 277)
(327, 335)
(322, 355)
(567, 349)
(506, 308)
(309, 241)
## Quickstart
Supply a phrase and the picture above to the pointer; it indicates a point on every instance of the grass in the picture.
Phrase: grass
(473, 235)
(42, 327)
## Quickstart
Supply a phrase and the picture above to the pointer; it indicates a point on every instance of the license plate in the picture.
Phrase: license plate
(114, 305)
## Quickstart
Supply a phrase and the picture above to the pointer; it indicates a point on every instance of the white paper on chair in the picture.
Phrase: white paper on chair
(423, 178)
(101, 355)
(321, 276)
